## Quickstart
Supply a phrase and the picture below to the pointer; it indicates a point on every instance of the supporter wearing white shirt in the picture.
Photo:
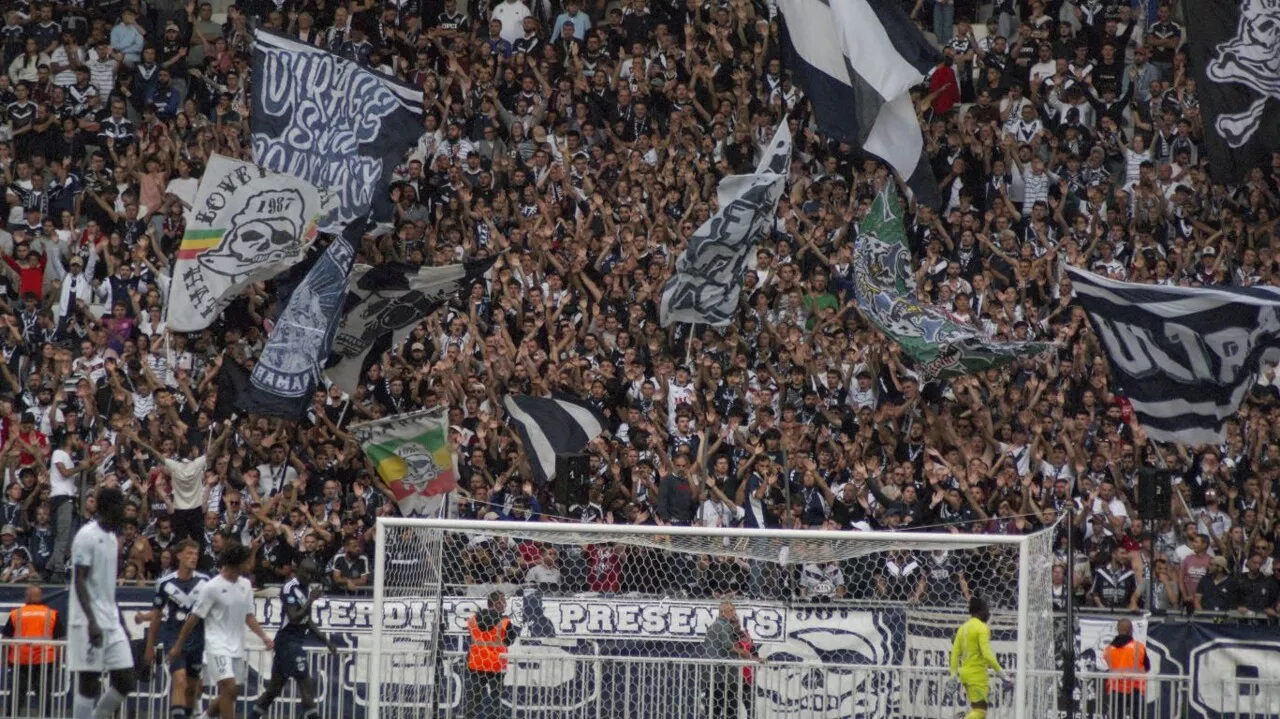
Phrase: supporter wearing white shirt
(277, 474)
(717, 510)
(545, 573)
(511, 14)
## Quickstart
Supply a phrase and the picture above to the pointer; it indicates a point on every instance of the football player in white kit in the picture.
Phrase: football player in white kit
(226, 607)
(97, 642)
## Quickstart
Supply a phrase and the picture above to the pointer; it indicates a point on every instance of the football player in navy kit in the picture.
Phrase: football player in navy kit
(290, 661)
(176, 595)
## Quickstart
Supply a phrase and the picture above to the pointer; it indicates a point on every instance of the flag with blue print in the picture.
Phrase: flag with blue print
(1184, 357)
(290, 366)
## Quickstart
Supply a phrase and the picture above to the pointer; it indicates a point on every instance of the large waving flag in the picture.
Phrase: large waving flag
(709, 273)
(328, 121)
(246, 225)
(551, 427)
(1235, 51)
(411, 454)
(857, 60)
(385, 303)
(288, 371)
(941, 344)
(1185, 357)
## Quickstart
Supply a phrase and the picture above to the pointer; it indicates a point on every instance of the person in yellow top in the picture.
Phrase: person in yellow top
(971, 656)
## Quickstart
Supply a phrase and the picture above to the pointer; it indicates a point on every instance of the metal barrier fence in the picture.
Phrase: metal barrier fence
(537, 686)
(45, 690)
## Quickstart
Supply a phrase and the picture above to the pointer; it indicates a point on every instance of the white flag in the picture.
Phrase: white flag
(247, 225)
(709, 273)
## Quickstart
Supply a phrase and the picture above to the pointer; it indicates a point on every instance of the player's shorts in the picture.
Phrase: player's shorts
(219, 668)
(290, 658)
(977, 691)
(190, 659)
(114, 654)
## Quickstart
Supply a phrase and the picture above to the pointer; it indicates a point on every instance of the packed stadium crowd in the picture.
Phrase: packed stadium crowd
(583, 141)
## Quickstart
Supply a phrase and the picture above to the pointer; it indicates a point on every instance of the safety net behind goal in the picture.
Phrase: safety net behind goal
(613, 621)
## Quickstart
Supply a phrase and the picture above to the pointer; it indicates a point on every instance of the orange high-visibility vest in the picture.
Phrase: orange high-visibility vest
(32, 621)
(488, 647)
(1126, 660)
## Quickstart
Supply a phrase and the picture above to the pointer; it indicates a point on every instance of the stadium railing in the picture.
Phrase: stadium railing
(869, 691)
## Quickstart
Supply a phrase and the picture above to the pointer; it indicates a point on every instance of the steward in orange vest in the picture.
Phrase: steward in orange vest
(491, 634)
(1125, 655)
(33, 620)
(30, 657)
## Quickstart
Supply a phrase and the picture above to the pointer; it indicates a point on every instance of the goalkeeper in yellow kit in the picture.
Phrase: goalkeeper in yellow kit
(971, 656)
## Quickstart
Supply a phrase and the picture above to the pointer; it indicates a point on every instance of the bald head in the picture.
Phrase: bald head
(1124, 628)
(35, 595)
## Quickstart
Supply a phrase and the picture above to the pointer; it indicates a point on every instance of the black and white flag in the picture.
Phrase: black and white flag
(1235, 48)
(1185, 357)
(549, 427)
(289, 369)
(385, 303)
(857, 60)
(332, 123)
(710, 271)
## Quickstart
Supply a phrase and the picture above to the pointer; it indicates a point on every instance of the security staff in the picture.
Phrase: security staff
(491, 634)
(1126, 697)
(33, 661)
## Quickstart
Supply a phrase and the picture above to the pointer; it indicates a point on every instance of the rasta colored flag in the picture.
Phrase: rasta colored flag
(941, 344)
(411, 454)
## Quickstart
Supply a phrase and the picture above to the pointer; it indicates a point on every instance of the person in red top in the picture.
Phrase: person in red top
(31, 441)
(944, 88)
(28, 266)
(604, 567)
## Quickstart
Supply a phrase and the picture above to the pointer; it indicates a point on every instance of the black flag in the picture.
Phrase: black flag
(233, 381)
(289, 368)
(1185, 357)
(332, 123)
(1237, 59)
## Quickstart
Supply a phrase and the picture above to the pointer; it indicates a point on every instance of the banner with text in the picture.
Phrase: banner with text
(1232, 668)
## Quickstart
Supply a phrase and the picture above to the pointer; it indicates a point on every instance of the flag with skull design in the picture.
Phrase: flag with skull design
(1235, 50)
(412, 456)
(245, 225)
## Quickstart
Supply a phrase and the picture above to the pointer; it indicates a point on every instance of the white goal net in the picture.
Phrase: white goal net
(612, 621)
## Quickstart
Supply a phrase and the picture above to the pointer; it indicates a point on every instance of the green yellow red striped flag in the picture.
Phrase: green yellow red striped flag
(412, 456)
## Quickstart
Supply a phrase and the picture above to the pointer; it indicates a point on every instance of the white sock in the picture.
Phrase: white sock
(108, 704)
(82, 707)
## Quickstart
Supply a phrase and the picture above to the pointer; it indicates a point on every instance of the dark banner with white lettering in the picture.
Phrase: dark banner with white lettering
(1185, 357)
(288, 371)
(326, 120)
(815, 655)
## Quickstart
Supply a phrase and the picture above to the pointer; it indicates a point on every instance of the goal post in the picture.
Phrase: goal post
(612, 618)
